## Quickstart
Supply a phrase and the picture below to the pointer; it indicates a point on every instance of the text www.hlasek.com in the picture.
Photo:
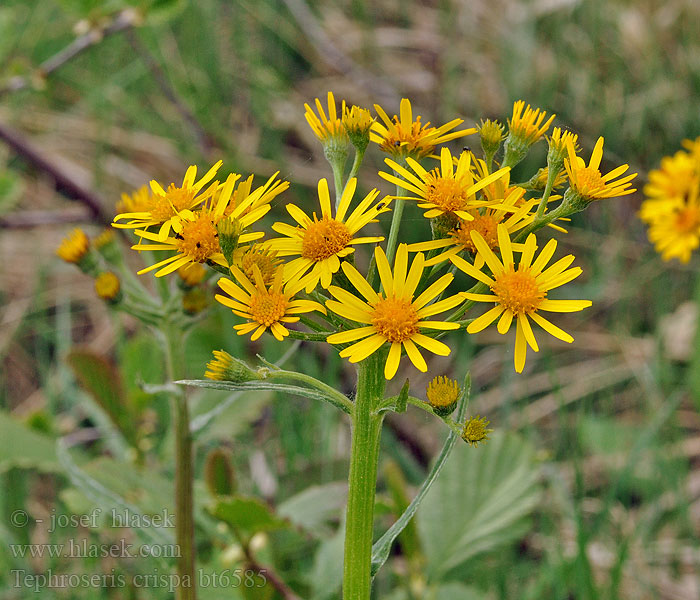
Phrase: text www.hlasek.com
(85, 549)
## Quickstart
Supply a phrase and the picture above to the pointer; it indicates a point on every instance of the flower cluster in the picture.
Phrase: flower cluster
(304, 280)
(672, 205)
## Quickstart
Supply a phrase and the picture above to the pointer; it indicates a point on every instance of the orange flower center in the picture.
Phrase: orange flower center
(175, 200)
(414, 141)
(268, 307)
(589, 180)
(395, 319)
(518, 291)
(446, 193)
(324, 238)
(688, 219)
(198, 239)
(486, 225)
(265, 260)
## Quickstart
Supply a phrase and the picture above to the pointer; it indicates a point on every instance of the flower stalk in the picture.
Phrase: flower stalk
(184, 473)
(364, 453)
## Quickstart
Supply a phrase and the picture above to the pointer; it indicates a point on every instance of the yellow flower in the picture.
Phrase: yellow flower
(224, 367)
(329, 127)
(357, 122)
(192, 274)
(107, 286)
(511, 212)
(264, 307)
(475, 430)
(197, 240)
(264, 259)
(559, 141)
(443, 394)
(322, 243)
(446, 189)
(674, 178)
(588, 182)
(393, 316)
(520, 292)
(673, 211)
(168, 208)
(527, 124)
(138, 201)
(402, 137)
(491, 134)
(74, 247)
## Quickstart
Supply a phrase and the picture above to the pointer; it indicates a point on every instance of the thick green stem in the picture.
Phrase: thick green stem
(184, 474)
(366, 432)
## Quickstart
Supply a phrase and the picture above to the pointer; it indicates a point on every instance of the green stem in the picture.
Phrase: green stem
(184, 474)
(551, 176)
(364, 455)
(356, 162)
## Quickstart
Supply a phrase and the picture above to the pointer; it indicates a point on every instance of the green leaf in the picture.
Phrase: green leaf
(446, 590)
(248, 514)
(282, 388)
(327, 574)
(101, 379)
(382, 547)
(25, 448)
(315, 506)
(480, 501)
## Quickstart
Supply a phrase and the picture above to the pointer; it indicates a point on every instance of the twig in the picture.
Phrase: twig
(124, 20)
(37, 218)
(285, 591)
(333, 56)
(64, 183)
(204, 140)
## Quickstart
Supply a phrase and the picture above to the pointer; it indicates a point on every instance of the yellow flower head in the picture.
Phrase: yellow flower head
(520, 292)
(168, 208)
(443, 394)
(192, 274)
(674, 178)
(74, 247)
(672, 209)
(321, 243)
(476, 430)
(327, 128)
(197, 240)
(444, 190)
(559, 141)
(528, 124)
(511, 211)
(403, 136)
(264, 259)
(264, 306)
(104, 239)
(224, 367)
(588, 182)
(393, 316)
(358, 122)
(244, 195)
(491, 133)
(107, 286)
(138, 201)
(194, 301)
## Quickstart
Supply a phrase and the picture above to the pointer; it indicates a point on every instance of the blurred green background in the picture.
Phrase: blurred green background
(590, 488)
